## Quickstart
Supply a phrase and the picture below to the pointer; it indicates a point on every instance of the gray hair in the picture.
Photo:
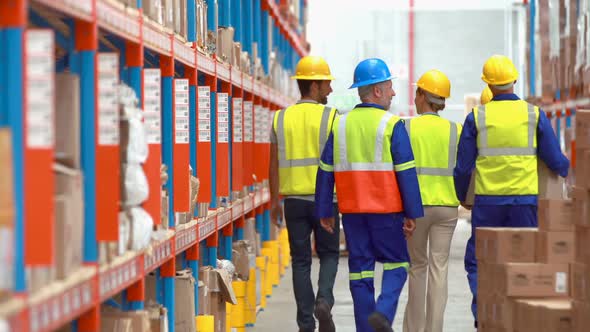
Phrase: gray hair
(367, 90)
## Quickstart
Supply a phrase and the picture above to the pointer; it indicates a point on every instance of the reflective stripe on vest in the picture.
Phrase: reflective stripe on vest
(377, 164)
(282, 145)
(448, 171)
(485, 151)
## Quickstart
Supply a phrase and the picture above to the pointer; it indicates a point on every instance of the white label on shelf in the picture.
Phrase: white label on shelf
(204, 113)
(181, 111)
(108, 110)
(152, 104)
(561, 282)
(248, 125)
(222, 117)
(258, 123)
(40, 89)
(237, 120)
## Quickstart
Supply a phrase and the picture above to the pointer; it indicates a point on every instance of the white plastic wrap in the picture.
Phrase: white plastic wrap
(141, 228)
(554, 37)
(226, 265)
(136, 185)
(581, 38)
(124, 232)
(137, 148)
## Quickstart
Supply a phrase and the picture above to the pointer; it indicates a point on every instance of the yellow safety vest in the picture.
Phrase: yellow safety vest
(506, 162)
(434, 142)
(302, 131)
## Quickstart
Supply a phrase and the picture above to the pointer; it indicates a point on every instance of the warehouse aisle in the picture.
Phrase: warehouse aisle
(280, 312)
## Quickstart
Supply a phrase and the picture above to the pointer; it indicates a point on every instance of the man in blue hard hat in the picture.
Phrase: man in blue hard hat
(369, 158)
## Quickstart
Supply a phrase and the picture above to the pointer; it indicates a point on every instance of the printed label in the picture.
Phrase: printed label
(237, 120)
(222, 118)
(204, 113)
(108, 108)
(248, 121)
(152, 104)
(40, 87)
(181, 111)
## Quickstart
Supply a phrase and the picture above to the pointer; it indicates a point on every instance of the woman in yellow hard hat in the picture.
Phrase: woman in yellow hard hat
(486, 96)
(434, 142)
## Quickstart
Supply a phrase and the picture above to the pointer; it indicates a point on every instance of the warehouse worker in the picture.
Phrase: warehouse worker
(369, 157)
(298, 135)
(486, 96)
(434, 142)
(502, 141)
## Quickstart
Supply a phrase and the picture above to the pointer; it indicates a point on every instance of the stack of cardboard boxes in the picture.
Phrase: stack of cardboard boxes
(581, 217)
(537, 279)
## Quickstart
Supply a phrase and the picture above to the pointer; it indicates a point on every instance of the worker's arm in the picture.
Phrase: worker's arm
(548, 147)
(405, 172)
(273, 179)
(324, 185)
(466, 155)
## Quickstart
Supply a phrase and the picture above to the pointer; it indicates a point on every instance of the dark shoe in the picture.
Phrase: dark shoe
(379, 322)
(322, 313)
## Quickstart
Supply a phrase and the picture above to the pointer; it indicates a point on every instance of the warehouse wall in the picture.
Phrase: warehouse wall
(443, 40)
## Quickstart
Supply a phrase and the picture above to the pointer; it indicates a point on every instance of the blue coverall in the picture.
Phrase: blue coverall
(374, 237)
(501, 211)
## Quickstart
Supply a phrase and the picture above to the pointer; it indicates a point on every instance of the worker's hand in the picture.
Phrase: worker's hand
(328, 224)
(409, 227)
(276, 212)
(466, 206)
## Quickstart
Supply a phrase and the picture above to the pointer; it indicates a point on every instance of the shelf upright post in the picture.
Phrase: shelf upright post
(204, 145)
(180, 143)
(168, 274)
(257, 22)
(237, 130)
(191, 20)
(192, 256)
(264, 42)
(13, 20)
(192, 75)
(248, 155)
(224, 11)
(167, 69)
(212, 21)
(236, 19)
(248, 26)
(213, 239)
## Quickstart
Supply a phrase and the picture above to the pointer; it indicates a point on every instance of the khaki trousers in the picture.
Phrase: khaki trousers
(429, 249)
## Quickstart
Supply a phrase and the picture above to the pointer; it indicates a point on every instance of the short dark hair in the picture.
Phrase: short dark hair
(305, 86)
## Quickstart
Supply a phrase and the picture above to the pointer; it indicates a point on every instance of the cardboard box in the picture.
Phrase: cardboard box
(544, 315)
(583, 129)
(556, 215)
(153, 9)
(582, 169)
(580, 281)
(221, 292)
(484, 282)
(168, 13)
(6, 178)
(69, 220)
(39, 277)
(252, 236)
(67, 119)
(555, 247)
(241, 259)
(158, 316)
(201, 24)
(500, 312)
(503, 245)
(551, 185)
(581, 312)
(225, 39)
(532, 279)
(140, 321)
(582, 238)
(184, 297)
(115, 324)
(581, 202)
(204, 298)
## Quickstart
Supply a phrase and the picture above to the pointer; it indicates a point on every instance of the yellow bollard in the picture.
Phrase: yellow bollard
(205, 323)
(268, 279)
(261, 263)
(251, 298)
(238, 316)
(273, 269)
(228, 311)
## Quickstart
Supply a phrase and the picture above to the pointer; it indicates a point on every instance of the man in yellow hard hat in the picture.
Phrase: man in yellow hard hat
(298, 136)
(434, 142)
(502, 141)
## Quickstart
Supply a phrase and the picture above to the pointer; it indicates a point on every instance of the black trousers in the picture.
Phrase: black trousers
(301, 222)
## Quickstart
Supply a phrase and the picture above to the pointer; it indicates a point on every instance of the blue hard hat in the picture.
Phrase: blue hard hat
(370, 71)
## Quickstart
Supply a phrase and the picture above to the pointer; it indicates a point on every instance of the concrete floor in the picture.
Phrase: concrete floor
(281, 310)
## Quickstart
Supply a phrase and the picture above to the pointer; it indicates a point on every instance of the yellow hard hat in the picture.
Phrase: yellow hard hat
(435, 82)
(499, 70)
(486, 95)
(313, 68)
